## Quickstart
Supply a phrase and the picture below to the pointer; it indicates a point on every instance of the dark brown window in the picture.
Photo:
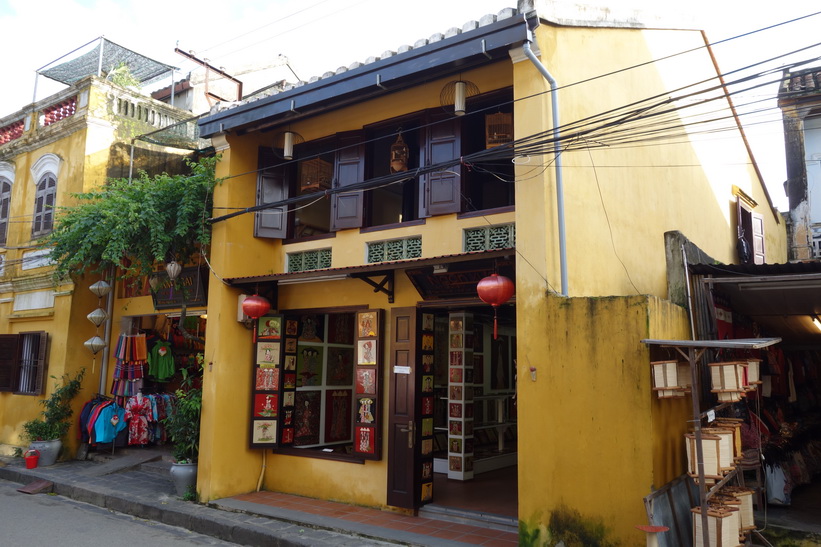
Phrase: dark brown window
(23, 362)
(432, 137)
(5, 203)
(44, 205)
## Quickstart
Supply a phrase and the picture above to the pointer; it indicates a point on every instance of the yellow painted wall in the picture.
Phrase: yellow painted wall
(65, 322)
(619, 200)
(593, 437)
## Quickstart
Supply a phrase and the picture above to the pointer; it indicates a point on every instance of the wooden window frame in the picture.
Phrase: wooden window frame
(45, 200)
(5, 208)
(13, 361)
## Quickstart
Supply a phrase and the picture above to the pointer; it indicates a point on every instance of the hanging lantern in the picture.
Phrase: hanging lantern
(100, 288)
(173, 269)
(399, 155)
(97, 316)
(495, 290)
(94, 344)
(255, 306)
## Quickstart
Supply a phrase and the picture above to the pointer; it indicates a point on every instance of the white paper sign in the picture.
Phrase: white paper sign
(401, 370)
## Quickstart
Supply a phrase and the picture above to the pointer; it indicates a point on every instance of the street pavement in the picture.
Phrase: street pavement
(127, 485)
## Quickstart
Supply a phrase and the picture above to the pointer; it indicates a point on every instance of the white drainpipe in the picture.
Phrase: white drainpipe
(557, 148)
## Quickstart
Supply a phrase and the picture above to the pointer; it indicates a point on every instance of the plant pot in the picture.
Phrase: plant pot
(49, 450)
(184, 476)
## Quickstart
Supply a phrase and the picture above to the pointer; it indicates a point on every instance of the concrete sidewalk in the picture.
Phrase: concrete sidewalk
(135, 484)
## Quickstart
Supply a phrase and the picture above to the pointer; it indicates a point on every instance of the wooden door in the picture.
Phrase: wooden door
(404, 485)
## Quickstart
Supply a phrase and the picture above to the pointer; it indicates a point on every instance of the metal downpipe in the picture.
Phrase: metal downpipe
(554, 100)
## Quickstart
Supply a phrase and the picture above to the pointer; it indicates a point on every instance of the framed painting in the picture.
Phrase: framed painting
(365, 410)
(367, 324)
(340, 367)
(269, 327)
(265, 405)
(338, 415)
(308, 406)
(263, 432)
(311, 328)
(268, 353)
(365, 443)
(340, 328)
(366, 381)
(309, 366)
(267, 379)
(366, 354)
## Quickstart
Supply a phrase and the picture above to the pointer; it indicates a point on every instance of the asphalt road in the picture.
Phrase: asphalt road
(35, 520)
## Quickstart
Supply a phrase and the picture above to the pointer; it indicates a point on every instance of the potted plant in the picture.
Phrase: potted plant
(183, 428)
(45, 434)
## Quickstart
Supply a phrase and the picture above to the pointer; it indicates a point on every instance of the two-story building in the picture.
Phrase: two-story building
(68, 143)
(366, 206)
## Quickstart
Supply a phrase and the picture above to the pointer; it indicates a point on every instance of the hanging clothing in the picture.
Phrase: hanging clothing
(109, 422)
(138, 413)
(161, 361)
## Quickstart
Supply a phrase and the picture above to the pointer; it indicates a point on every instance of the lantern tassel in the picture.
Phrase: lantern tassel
(495, 323)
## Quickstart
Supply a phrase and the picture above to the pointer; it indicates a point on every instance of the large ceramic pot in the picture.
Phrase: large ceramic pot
(184, 476)
(49, 450)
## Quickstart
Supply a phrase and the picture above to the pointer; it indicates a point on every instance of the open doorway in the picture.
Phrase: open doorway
(475, 416)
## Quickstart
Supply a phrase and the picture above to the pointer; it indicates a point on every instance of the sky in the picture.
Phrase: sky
(318, 36)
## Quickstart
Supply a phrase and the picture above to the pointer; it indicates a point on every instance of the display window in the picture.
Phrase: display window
(316, 382)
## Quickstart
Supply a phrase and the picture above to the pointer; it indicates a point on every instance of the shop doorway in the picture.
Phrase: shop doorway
(152, 358)
(464, 412)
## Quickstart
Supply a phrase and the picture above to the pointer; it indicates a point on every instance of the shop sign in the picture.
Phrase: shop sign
(190, 284)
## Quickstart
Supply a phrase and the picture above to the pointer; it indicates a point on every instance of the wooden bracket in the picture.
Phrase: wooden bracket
(383, 286)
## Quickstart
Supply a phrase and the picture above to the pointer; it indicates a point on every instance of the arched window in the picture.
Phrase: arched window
(44, 205)
(5, 203)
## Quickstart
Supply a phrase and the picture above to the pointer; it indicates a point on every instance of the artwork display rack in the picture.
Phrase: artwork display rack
(692, 350)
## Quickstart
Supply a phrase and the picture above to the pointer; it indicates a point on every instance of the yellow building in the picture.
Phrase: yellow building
(68, 143)
(366, 207)
(577, 158)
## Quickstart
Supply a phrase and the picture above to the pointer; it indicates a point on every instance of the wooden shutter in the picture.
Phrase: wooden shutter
(758, 238)
(367, 439)
(9, 361)
(40, 361)
(347, 207)
(404, 465)
(267, 383)
(272, 186)
(443, 189)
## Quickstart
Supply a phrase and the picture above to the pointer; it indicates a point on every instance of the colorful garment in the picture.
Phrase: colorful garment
(161, 361)
(138, 413)
(110, 421)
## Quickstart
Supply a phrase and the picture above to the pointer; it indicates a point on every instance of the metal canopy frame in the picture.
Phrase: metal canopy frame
(692, 350)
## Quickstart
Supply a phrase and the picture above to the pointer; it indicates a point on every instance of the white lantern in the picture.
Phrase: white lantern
(94, 344)
(100, 288)
(97, 316)
(173, 269)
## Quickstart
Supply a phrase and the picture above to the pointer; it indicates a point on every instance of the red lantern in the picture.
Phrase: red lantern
(495, 290)
(255, 306)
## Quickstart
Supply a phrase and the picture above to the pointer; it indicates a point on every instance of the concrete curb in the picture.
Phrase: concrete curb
(147, 496)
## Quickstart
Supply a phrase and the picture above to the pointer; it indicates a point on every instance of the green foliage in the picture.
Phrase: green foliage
(183, 424)
(56, 416)
(121, 75)
(133, 225)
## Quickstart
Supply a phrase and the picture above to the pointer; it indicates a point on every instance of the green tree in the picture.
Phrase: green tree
(130, 226)
(136, 224)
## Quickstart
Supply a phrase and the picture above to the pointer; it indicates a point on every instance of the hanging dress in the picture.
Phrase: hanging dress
(137, 412)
